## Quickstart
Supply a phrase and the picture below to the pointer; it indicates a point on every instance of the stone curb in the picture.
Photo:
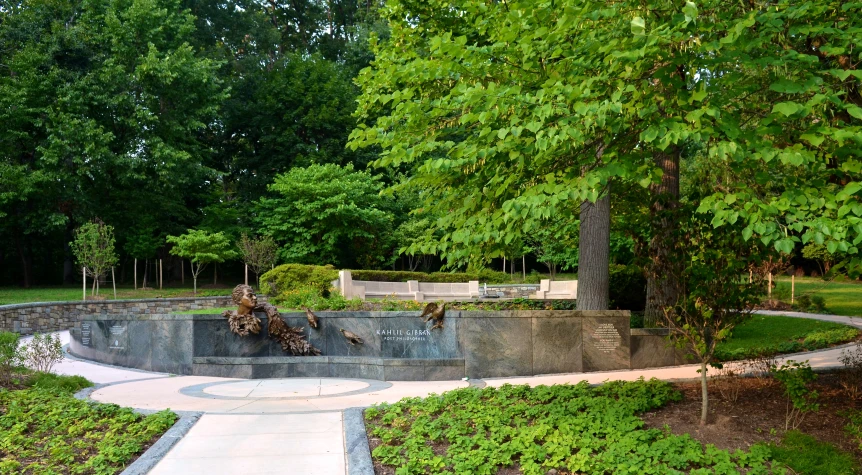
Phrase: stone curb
(157, 451)
(356, 443)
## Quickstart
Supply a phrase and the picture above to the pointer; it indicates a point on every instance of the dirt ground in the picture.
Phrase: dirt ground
(757, 415)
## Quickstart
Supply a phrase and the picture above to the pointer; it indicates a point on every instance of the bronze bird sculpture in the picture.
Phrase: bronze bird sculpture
(312, 318)
(290, 338)
(437, 315)
(428, 309)
(352, 338)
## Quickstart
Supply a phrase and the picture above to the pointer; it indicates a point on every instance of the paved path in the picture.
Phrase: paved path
(296, 425)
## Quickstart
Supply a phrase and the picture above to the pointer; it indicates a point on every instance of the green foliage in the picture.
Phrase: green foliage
(57, 382)
(329, 214)
(763, 334)
(293, 277)
(805, 454)
(201, 248)
(103, 106)
(796, 376)
(307, 296)
(627, 288)
(93, 248)
(484, 275)
(820, 254)
(577, 429)
(501, 109)
(555, 244)
(52, 432)
(10, 355)
(43, 351)
(257, 253)
(854, 425)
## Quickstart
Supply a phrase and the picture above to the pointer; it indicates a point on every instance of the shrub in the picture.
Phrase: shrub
(795, 376)
(10, 355)
(43, 352)
(58, 382)
(310, 297)
(627, 288)
(854, 427)
(803, 302)
(851, 378)
(293, 277)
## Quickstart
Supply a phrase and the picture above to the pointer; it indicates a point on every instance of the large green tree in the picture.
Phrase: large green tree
(103, 105)
(510, 112)
(328, 214)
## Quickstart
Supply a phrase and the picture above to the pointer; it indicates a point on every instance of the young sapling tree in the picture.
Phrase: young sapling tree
(201, 248)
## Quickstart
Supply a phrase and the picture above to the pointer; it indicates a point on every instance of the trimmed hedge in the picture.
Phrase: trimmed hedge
(288, 277)
(484, 275)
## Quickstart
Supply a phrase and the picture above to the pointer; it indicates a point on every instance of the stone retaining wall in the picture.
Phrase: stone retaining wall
(29, 318)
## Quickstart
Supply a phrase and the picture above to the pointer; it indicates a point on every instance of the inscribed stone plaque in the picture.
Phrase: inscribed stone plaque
(606, 343)
(86, 333)
(118, 336)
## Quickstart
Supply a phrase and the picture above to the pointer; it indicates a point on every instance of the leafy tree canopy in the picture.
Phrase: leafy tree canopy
(503, 110)
(329, 214)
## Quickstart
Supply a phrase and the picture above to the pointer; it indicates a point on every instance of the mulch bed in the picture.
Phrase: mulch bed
(757, 415)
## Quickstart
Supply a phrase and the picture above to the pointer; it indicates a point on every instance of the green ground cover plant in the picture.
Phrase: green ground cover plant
(577, 428)
(763, 334)
(16, 295)
(806, 455)
(44, 430)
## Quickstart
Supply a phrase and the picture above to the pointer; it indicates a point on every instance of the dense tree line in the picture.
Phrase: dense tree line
(156, 116)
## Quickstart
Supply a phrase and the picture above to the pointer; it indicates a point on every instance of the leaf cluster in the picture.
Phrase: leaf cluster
(580, 429)
(44, 432)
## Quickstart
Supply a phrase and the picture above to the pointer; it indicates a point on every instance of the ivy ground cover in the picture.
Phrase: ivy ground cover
(51, 432)
(570, 428)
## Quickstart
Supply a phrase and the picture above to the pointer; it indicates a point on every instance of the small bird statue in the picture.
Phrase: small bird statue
(352, 338)
(312, 318)
(437, 314)
(428, 309)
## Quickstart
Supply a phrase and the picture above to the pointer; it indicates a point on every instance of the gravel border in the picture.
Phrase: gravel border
(356, 448)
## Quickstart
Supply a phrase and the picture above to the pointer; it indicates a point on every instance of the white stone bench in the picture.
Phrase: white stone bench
(557, 289)
(410, 290)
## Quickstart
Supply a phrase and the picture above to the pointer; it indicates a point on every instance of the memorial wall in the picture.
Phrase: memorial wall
(396, 345)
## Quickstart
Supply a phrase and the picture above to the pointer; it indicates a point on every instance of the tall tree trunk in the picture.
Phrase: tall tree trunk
(594, 254)
(704, 401)
(68, 258)
(215, 274)
(662, 291)
(26, 262)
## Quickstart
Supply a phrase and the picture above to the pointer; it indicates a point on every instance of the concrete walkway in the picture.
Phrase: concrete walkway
(296, 425)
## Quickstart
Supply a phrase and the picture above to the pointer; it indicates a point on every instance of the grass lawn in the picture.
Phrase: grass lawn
(13, 295)
(44, 430)
(783, 335)
(570, 429)
(842, 298)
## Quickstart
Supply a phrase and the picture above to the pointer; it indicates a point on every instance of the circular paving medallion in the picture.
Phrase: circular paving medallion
(285, 388)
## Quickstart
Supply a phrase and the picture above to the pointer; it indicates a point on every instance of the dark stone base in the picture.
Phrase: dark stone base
(398, 346)
(385, 369)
